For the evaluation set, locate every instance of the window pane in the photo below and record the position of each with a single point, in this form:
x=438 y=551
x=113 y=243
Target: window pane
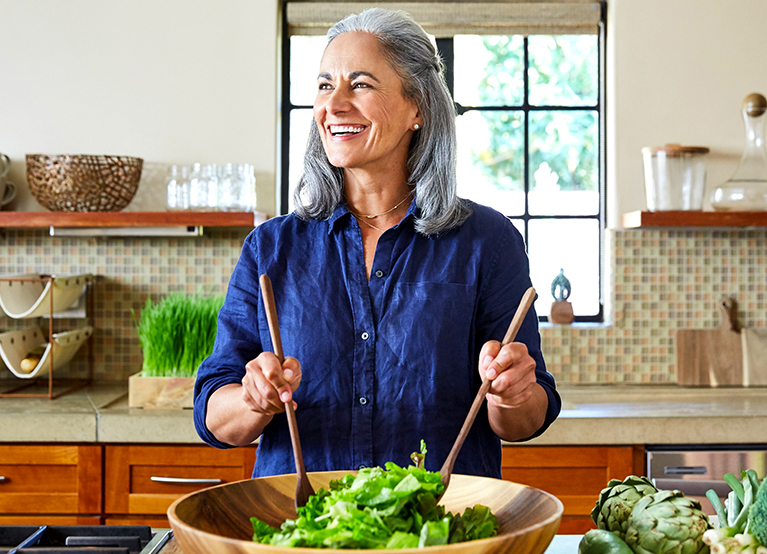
x=490 y=159
x=305 y=56
x=563 y=70
x=564 y=163
x=488 y=70
x=300 y=124
x=520 y=225
x=572 y=245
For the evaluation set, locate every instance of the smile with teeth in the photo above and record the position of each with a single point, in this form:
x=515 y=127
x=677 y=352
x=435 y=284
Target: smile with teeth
x=341 y=130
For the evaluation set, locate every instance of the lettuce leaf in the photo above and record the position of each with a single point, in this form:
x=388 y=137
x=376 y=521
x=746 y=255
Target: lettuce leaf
x=379 y=508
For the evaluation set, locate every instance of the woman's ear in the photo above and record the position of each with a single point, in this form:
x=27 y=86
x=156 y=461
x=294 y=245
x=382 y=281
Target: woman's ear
x=418 y=121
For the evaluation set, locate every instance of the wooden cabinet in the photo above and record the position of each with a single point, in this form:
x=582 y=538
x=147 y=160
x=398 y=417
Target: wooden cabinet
x=141 y=482
x=135 y=484
x=42 y=519
x=50 y=479
x=574 y=474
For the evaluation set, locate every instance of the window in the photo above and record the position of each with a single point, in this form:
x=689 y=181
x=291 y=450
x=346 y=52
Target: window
x=530 y=126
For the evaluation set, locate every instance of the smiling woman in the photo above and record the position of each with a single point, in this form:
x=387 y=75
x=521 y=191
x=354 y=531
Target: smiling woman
x=526 y=81
x=392 y=293
x=365 y=121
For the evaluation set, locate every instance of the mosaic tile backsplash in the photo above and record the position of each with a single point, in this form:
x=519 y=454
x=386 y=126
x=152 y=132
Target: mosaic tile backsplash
x=658 y=280
x=127 y=271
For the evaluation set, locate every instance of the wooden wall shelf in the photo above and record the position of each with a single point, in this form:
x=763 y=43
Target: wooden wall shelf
x=637 y=220
x=129 y=219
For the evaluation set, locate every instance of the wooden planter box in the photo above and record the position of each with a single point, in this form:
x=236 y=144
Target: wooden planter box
x=160 y=392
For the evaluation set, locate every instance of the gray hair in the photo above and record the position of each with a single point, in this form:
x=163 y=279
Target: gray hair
x=432 y=155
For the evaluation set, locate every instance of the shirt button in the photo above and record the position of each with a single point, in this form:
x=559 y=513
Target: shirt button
x=379 y=273
x=365 y=336
x=363 y=400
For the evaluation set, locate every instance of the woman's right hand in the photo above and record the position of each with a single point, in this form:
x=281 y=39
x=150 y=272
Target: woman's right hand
x=237 y=413
x=267 y=385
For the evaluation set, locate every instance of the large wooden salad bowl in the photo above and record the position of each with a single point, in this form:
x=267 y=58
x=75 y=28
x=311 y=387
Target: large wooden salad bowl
x=217 y=520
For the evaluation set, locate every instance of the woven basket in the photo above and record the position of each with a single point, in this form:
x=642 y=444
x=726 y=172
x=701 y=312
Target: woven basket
x=83 y=183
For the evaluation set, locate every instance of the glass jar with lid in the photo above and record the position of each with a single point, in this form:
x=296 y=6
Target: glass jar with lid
x=675 y=177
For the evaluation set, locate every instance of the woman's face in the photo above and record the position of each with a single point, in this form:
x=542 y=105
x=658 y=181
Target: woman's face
x=363 y=118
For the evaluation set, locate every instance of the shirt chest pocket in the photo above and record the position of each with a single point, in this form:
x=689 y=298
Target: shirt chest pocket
x=426 y=328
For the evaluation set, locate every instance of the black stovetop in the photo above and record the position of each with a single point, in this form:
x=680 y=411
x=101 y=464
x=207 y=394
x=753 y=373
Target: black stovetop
x=82 y=539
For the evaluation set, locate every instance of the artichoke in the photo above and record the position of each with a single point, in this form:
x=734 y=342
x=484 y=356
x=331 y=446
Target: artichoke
x=615 y=502
x=667 y=522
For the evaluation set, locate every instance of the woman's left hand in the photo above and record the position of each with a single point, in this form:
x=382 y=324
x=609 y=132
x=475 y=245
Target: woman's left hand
x=512 y=372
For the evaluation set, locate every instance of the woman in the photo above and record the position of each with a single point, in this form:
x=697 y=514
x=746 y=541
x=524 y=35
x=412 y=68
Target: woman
x=392 y=293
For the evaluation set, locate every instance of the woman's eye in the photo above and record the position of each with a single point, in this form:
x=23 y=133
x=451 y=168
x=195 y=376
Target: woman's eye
x=360 y=85
x=324 y=86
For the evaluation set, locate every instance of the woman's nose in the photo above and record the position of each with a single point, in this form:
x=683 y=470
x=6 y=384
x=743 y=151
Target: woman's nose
x=337 y=101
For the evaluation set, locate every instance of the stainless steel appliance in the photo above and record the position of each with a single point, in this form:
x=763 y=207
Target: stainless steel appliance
x=83 y=539
x=694 y=469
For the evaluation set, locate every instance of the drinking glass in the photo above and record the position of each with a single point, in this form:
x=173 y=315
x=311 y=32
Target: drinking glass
x=209 y=186
x=198 y=190
x=171 y=187
x=182 y=189
x=246 y=198
x=227 y=185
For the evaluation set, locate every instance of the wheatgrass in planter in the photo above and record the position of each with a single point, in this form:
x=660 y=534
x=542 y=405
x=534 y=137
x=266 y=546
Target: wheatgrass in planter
x=177 y=334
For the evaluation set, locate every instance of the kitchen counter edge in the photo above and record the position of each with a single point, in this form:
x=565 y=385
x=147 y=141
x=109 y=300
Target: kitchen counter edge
x=593 y=415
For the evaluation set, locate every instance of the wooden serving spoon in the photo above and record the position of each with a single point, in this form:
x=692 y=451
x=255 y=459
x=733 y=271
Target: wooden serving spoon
x=511 y=333
x=303 y=488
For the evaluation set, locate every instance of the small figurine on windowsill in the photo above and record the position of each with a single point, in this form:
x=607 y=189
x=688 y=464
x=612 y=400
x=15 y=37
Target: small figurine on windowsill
x=561 y=309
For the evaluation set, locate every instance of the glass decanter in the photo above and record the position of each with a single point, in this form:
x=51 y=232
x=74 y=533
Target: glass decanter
x=746 y=190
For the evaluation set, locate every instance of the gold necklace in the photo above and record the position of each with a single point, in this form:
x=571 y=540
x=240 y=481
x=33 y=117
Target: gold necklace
x=397 y=205
x=366 y=223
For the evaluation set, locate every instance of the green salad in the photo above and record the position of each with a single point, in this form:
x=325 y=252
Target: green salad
x=380 y=508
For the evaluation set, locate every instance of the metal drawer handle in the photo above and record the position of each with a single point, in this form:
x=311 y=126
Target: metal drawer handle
x=2 y=478
x=685 y=470
x=185 y=480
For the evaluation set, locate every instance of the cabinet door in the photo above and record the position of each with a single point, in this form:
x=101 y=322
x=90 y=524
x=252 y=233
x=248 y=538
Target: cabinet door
x=50 y=479
x=574 y=474
x=155 y=521
x=145 y=480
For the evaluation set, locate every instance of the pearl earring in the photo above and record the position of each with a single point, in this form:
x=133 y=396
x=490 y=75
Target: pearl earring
x=416 y=127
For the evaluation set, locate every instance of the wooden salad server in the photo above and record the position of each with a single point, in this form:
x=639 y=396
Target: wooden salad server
x=303 y=488
x=511 y=333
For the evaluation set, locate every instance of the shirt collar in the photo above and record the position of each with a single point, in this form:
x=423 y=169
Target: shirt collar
x=340 y=211
x=343 y=210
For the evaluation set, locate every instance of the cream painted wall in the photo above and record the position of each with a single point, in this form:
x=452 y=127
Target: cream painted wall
x=170 y=81
x=178 y=81
x=678 y=72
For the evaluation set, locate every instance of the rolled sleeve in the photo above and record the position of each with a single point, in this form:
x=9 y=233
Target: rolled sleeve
x=237 y=339
x=501 y=293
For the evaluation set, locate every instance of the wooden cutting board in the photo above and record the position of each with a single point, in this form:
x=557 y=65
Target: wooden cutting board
x=754 y=357
x=712 y=357
x=709 y=358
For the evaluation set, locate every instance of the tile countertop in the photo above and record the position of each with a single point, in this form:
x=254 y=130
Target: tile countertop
x=591 y=414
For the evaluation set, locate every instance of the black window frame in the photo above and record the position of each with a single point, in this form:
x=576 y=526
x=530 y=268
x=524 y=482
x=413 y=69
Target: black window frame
x=445 y=47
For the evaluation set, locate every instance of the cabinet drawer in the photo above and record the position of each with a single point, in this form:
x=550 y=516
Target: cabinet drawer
x=156 y=521
x=147 y=479
x=50 y=479
x=50 y=520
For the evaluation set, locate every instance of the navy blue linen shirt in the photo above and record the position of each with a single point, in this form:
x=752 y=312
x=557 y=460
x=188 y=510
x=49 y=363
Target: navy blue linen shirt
x=385 y=362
